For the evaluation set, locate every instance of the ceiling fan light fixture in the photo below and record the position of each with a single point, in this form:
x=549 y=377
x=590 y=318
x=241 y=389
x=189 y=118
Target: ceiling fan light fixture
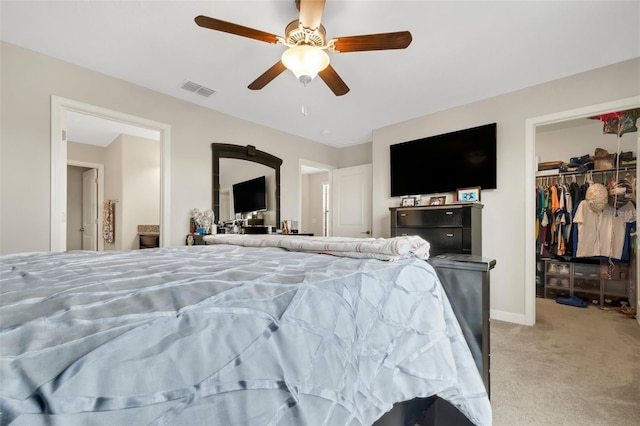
x=305 y=61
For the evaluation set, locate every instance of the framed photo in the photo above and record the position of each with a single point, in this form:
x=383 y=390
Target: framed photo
x=410 y=201
x=468 y=195
x=437 y=201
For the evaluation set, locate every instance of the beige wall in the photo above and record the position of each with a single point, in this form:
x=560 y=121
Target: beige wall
x=132 y=179
x=356 y=155
x=504 y=208
x=580 y=137
x=28 y=81
x=113 y=183
x=304 y=199
x=78 y=151
x=141 y=187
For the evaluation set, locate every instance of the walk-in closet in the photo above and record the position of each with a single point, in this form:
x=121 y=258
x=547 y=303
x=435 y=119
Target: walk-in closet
x=586 y=244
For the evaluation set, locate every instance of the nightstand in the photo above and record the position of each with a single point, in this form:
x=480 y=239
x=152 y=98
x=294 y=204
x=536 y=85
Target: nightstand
x=195 y=240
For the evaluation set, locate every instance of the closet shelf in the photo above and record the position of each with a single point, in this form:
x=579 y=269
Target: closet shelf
x=546 y=173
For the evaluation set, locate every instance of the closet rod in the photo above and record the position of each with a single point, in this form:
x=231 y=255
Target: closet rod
x=590 y=172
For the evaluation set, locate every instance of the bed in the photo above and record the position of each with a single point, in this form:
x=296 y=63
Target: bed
x=231 y=333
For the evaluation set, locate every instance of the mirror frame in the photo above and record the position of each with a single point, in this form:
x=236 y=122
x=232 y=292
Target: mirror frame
x=247 y=153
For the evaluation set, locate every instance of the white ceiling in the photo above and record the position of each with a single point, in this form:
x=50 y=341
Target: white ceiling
x=461 y=52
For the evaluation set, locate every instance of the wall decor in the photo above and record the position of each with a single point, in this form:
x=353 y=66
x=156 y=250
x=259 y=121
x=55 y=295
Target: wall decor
x=410 y=201
x=468 y=195
x=437 y=201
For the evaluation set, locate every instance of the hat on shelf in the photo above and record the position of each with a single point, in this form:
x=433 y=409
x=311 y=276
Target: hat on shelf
x=619 y=122
x=620 y=192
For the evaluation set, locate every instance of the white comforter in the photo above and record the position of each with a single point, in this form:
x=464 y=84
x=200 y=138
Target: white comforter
x=225 y=335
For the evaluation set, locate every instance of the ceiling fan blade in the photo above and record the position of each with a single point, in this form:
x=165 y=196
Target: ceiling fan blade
x=333 y=80
x=310 y=13
x=383 y=41
x=267 y=76
x=231 y=28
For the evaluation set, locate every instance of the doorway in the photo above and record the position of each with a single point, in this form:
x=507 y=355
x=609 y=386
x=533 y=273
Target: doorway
x=335 y=202
x=530 y=168
x=315 y=211
x=59 y=109
x=85 y=195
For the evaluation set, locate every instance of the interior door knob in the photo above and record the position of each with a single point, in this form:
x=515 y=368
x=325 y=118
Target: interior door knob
x=366 y=232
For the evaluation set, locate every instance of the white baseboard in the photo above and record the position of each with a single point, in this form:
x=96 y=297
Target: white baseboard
x=508 y=317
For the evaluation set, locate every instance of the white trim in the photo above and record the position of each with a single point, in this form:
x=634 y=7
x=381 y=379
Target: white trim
x=100 y=168
x=59 y=105
x=58 y=213
x=530 y=184
x=507 y=317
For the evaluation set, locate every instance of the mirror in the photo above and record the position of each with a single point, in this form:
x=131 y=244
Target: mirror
x=233 y=171
x=251 y=154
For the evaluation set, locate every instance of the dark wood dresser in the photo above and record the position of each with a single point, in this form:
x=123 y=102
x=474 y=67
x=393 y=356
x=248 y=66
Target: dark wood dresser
x=451 y=228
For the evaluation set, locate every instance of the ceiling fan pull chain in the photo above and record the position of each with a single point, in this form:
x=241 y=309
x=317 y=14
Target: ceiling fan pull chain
x=303 y=102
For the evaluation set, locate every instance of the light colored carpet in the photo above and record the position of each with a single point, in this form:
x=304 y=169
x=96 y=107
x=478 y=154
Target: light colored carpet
x=576 y=366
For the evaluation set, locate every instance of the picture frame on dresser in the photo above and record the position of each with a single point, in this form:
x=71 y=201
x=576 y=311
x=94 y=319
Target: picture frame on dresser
x=409 y=201
x=437 y=201
x=468 y=195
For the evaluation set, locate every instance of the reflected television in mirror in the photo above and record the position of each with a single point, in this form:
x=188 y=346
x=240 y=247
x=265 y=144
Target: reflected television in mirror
x=250 y=195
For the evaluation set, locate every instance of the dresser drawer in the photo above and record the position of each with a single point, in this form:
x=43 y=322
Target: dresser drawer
x=448 y=229
x=443 y=238
x=430 y=218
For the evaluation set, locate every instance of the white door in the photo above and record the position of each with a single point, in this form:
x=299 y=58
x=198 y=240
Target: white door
x=351 y=196
x=90 y=210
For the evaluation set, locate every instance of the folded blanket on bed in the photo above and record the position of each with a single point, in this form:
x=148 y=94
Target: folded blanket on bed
x=389 y=249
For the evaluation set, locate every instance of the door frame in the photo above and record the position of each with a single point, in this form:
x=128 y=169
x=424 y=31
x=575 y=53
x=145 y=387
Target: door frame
x=100 y=168
x=58 y=213
x=320 y=166
x=530 y=167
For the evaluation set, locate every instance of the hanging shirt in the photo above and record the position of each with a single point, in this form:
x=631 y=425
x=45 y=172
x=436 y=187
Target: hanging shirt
x=555 y=204
x=543 y=233
x=602 y=234
x=568 y=219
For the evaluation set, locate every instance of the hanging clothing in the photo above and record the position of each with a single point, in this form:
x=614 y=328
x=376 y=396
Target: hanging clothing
x=602 y=234
x=553 y=220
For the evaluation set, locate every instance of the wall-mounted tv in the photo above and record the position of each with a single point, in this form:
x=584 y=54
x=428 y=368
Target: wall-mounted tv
x=250 y=195
x=443 y=163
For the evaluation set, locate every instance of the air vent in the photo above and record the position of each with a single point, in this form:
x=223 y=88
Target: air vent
x=197 y=88
x=205 y=91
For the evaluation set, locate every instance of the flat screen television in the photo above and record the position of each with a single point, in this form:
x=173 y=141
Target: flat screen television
x=250 y=195
x=443 y=163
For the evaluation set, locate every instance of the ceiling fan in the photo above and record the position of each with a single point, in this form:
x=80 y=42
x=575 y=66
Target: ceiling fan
x=307 y=44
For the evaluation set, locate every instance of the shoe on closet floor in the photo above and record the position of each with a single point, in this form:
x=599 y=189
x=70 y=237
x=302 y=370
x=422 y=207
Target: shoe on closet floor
x=572 y=301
